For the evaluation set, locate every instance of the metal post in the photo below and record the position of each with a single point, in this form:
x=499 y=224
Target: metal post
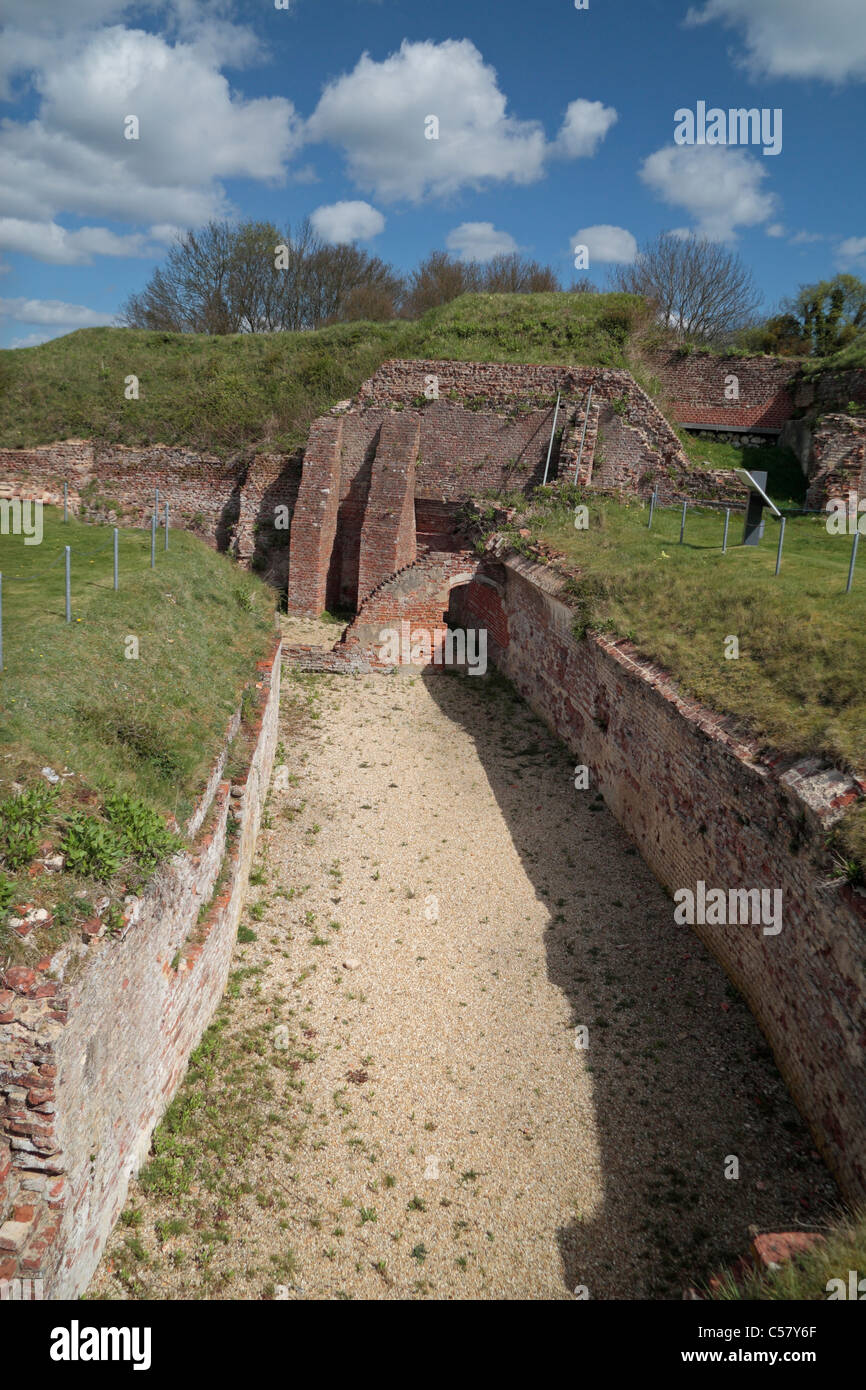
x=652 y=508
x=853 y=558
x=549 y=447
x=781 y=543
x=65 y=502
x=156 y=502
x=68 y=550
x=166 y=526
x=153 y=541
x=725 y=537
x=583 y=435
x=683 y=523
x=116 y=533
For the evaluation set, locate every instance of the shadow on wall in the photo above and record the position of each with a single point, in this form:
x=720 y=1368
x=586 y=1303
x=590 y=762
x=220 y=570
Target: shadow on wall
x=680 y=1075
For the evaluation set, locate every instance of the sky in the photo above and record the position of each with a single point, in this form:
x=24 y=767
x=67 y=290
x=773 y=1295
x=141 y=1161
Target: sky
x=558 y=127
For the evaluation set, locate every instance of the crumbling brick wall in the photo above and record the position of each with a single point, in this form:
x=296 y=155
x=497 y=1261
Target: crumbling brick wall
x=703 y=803
x=837 y=460
x=94 y=1039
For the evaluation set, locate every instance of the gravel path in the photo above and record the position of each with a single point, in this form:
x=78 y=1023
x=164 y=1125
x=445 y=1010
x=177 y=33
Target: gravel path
x=440 y=909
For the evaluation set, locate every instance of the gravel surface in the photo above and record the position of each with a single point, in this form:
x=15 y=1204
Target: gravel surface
x=401 y=1109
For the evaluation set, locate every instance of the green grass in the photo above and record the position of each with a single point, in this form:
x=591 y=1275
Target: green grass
x=798 y=681
x=786 y=483
x=807 y=1276
x=69 y=697
x=225 y=393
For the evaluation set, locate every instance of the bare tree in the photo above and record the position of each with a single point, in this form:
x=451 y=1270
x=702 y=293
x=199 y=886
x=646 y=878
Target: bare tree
x=700 y=289
x=511 y=274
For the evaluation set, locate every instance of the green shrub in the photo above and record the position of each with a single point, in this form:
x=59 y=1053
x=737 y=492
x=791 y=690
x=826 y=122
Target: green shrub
x=142 y=829
x=21 y=821
x=92 y=849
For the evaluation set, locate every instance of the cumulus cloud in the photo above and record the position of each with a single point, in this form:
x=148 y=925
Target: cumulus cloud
x=794 y=38
x=194 y=132
x=720 y=186
x=479 y=241
x=585 y=125
x=607 y=244
x=378 y=112
x=53 y=311
x=48 y=241
x=347 y=221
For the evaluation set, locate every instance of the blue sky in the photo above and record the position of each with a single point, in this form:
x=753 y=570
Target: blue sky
x=556 y=125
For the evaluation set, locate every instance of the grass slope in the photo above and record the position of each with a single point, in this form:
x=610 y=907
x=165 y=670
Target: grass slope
x=798 y=680
x=69 y=696
x=222 y=393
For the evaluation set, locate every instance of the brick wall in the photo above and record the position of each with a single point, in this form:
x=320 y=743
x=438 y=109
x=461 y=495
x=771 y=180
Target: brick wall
x=201 y=490
x=94 y=1041
x=489 y=429
x=417 y=595
x=837 y=459
x=701 y=803
x=388 y=529
x=314 y=523
x=694 y=384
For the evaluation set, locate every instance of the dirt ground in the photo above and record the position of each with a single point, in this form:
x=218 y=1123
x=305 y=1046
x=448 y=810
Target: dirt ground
x=394 y=1102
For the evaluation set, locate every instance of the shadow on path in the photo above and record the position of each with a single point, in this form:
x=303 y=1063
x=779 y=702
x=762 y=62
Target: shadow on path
x=682 y=1077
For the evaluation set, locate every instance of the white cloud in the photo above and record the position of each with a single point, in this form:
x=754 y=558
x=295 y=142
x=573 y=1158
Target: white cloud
x=851 y=253
x=34 y=339
x=719 y=185
x=53 y=311
x=775 y=229
x=607 y=244
x=347 y=221
x=479 y=241
x=194 y=132
x=48 y=241
x=585 y=125
x=795 y=38
x=377 y=114
x=806 y=238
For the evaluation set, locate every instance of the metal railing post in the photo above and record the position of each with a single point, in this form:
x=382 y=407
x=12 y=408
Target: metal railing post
x=546 y=466
x=853 y=559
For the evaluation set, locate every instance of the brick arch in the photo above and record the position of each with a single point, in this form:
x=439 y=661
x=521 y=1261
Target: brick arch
x=416 y=595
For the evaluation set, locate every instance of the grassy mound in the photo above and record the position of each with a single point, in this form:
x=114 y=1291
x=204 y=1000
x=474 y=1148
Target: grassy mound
x=221 y=393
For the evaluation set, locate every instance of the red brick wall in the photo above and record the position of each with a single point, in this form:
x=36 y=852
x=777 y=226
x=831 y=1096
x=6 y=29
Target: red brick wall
x=314 y=523
x=388 y=530
x=694 y=384
x=702 y=804
x=837 y=462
